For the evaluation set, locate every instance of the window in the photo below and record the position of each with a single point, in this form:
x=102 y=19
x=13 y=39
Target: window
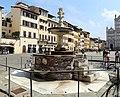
x=4 y=23
x=69 y=40
x=52 y=25
x=9 y=31
x=45 y=28
x=10 y=25
x=32 y=25
x=29 y=24
x=49 y=25
x=29 y=34
x=24 y=33
x=40 y=20
x=35 y=17
x=41 y=27
x=48 y=38
x=54 y=38
x=35 y=26
x=23 y=23
x=40 y=36
x=40 y=12
x=34 y=35
x=26 y=14
x=3 y=34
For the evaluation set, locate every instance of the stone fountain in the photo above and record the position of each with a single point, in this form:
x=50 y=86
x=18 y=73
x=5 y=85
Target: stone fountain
x=60 y=31
x=62 y=60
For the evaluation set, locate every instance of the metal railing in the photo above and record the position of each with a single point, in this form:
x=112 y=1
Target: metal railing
x=35 y=71
x=31 y=72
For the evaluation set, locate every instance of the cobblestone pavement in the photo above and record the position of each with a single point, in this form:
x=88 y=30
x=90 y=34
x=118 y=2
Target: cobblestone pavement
x=15 y=60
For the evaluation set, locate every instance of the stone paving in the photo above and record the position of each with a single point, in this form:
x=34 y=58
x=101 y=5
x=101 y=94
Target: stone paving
x=15 y=61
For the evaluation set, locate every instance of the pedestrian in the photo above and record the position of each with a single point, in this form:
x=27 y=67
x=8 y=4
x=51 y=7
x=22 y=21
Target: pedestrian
x=116 y=56
x=104 y=58
x=108 y=58
x=119 y=55
x=106 y=54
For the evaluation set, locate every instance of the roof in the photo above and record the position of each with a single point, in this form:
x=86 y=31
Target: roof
x=31 y=6
x=110 y=30
x=51 y=16
x=86 y=32
x=69 y=24
x=1 y=7
x=25 y=9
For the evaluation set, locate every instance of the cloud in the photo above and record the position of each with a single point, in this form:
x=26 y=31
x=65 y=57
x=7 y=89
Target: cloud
x=109 y=14
x=92 y=23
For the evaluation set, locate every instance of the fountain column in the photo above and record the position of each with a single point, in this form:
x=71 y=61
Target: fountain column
x=60 y=31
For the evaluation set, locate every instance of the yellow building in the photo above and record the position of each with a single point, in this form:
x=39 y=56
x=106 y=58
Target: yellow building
x=31 y=23
x=86 y=39
x=92 y=44
x=73 y=37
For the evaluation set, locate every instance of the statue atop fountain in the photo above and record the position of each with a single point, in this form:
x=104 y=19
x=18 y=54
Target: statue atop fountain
x=60 y=16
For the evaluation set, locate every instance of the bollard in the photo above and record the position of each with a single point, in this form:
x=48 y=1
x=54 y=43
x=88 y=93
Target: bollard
x=6 y=63
x=21 y=62
x=9 y=83
x=118 y=82
x=78 y=83
x=30 y=84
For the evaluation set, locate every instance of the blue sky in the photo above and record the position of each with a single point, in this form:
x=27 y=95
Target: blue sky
x=90 y=15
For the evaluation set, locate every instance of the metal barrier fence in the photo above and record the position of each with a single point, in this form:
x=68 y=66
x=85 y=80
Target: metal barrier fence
x=31 y=72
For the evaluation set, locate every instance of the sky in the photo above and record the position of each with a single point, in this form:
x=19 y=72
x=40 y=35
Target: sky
x=90 y=15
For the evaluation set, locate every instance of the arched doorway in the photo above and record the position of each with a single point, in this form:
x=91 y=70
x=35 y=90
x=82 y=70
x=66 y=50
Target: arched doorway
x=111 y=46
x=24 y=49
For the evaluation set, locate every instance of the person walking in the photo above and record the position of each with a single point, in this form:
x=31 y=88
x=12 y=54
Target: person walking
x=104 y=58
x=116 y=56
x=119 y=56
x=106 y=54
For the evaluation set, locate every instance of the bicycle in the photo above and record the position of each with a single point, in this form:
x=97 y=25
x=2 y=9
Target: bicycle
x=113 y=89
x=29 y=63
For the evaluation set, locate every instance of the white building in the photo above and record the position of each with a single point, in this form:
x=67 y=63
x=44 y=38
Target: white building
x=113 y=35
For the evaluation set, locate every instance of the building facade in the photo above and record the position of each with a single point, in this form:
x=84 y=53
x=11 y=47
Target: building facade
x=113 y=35
x=31 y=23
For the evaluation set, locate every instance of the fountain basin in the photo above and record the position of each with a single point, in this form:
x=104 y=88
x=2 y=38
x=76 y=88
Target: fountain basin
x=54 y=63
x=60 y=30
